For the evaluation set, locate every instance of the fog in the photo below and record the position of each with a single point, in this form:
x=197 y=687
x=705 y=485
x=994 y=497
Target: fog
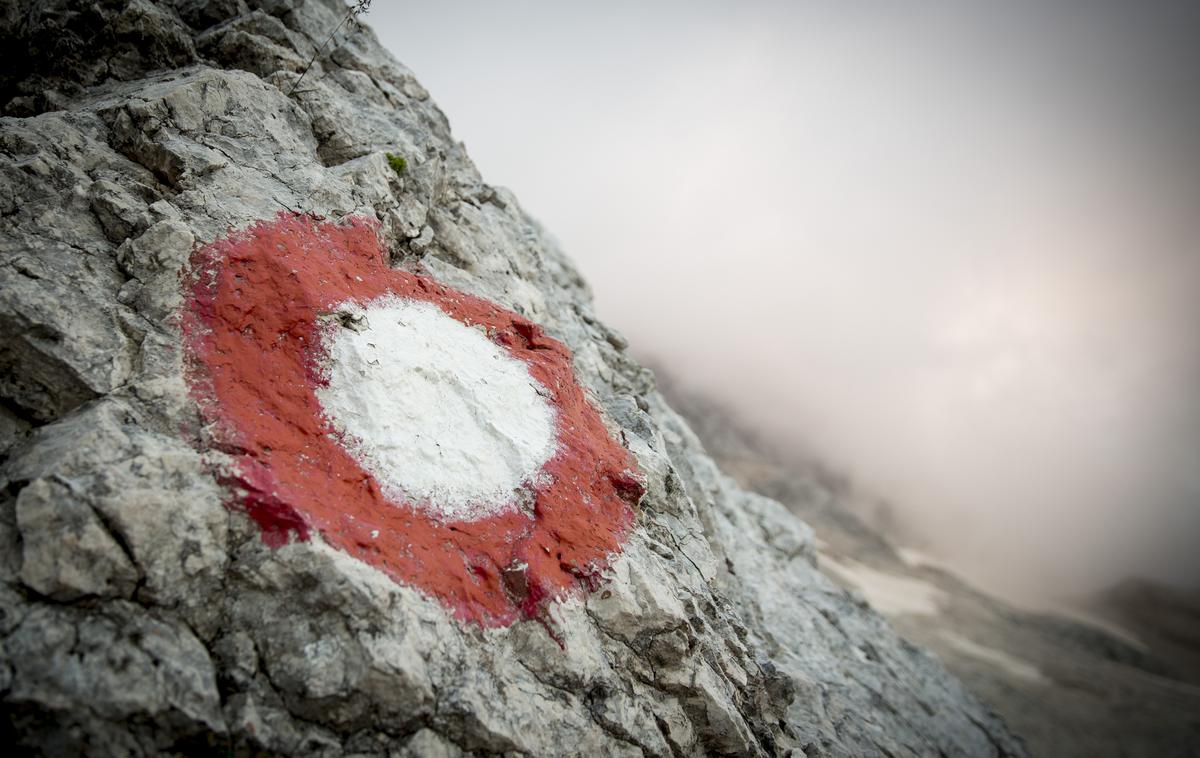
x=949 y=250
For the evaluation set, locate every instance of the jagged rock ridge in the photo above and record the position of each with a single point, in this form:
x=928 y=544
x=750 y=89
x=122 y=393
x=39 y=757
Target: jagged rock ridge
x=140 y=615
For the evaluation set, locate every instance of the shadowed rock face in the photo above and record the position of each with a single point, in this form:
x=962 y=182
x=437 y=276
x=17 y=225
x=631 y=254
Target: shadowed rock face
x=141 y=615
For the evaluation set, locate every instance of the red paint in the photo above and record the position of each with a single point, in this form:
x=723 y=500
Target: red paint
x=254 y=347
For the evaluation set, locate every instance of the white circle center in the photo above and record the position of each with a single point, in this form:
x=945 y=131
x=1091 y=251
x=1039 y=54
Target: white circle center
x=438 y=413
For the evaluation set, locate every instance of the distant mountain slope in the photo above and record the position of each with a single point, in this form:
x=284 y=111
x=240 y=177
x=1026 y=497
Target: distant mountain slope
x=1118 y=677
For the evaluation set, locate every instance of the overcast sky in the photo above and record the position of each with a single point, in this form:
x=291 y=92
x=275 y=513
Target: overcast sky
x=950 y=250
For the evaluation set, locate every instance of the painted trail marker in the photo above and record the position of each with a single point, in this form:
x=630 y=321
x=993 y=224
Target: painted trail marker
x=438 y=413
x=432 y=434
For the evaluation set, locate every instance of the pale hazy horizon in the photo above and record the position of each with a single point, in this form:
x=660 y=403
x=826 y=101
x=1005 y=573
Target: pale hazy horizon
x=949 y=250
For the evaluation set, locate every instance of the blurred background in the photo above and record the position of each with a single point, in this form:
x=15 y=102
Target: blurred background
x=947 y=250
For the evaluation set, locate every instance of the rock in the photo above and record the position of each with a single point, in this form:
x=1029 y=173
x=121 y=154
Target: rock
x=66 y=553
x=154 y=260
x=140 y=614
x=79 y=676
x=120 y=214
x=53 y=50
x=429 y=744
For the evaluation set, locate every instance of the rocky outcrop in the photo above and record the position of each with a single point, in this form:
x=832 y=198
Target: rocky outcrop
x=143 y=615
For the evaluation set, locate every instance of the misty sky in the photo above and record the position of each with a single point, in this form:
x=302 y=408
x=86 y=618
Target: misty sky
x=950 y=251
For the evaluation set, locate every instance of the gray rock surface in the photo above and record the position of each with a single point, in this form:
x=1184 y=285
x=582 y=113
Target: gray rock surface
x=140 y=615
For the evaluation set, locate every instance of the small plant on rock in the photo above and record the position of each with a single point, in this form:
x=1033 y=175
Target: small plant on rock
x=397 y=162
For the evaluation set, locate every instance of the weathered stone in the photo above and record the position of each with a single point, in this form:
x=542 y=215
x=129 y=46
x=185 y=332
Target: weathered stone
x=66 y=553
x=712 y=632
x=79 y=674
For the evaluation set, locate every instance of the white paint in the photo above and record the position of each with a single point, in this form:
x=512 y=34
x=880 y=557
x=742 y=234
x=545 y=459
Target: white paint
x=890 y=594
x=438 y=413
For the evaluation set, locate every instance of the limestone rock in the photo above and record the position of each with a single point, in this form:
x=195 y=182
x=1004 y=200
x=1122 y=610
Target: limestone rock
x=140 y=615
x=66 y=551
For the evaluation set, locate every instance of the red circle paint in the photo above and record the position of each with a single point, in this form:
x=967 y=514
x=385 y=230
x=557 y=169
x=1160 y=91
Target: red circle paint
x=253 y=339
